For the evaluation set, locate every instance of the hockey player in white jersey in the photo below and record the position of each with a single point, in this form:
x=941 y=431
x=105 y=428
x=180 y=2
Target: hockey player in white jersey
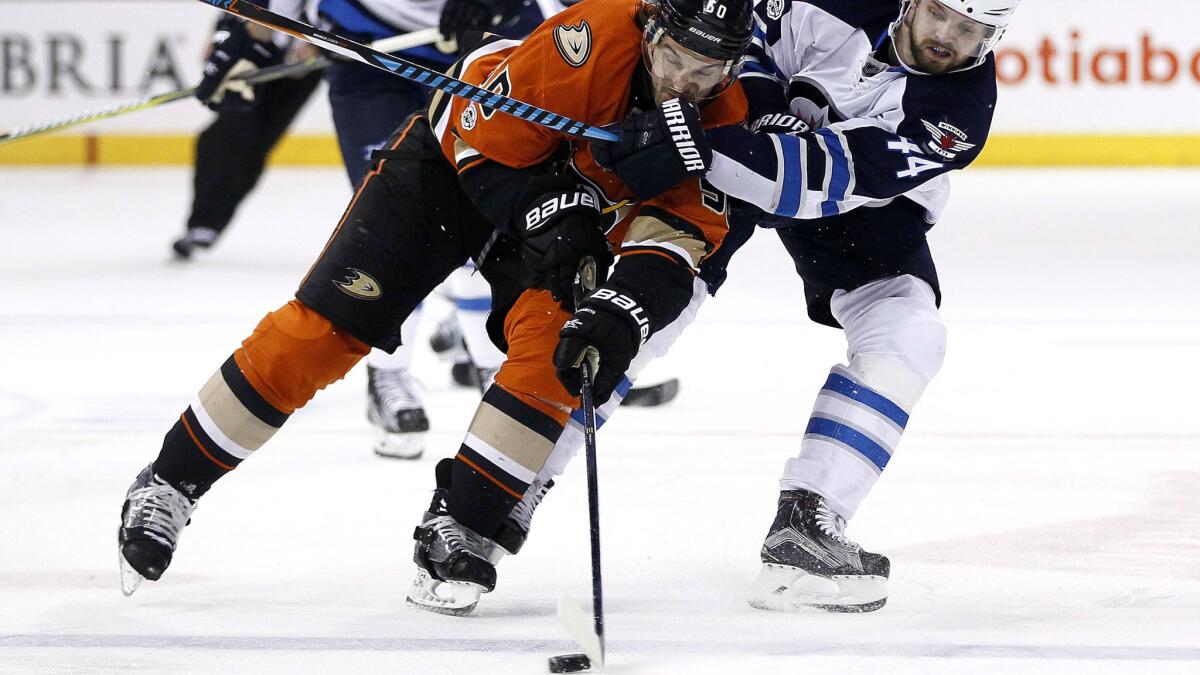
x=858 y=111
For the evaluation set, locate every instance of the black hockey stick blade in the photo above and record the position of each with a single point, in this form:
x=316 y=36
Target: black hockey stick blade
x=653 y=395
x=411 y=71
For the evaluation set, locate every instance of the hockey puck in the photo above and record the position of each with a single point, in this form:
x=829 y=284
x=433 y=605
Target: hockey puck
x=570 y=663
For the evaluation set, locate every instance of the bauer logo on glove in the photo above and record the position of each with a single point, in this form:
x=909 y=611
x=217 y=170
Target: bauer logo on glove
x=636 y=313
x=542 y=213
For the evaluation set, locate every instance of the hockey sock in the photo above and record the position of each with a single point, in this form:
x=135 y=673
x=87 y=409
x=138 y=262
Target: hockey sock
x=506 y=445
x=851 y=436
x=293 y=353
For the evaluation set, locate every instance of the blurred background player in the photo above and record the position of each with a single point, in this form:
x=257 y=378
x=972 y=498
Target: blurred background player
x=232 y=151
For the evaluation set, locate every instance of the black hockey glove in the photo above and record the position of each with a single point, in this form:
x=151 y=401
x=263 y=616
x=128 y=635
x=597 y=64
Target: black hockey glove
x=609 y=322
x=779 y=123
x=560 y=224
x=658 y=149
x=461 y=16
x=233 y=53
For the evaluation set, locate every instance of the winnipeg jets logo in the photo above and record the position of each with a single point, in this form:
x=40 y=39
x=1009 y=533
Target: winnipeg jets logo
x=359 y=284
x=815 y=115
x=948 y=140
x=574 y=43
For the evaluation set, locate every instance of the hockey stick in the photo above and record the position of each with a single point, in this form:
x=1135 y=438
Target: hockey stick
x=410 y=71
x=261 y=76
x=570 y=614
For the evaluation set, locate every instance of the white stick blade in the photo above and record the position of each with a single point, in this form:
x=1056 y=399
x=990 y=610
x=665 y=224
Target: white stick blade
x=579 y=625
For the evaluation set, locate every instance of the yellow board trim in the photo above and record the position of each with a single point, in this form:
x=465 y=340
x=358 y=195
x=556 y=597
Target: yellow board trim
x=1090 y=150
x=157 y=150
x=1032 y=150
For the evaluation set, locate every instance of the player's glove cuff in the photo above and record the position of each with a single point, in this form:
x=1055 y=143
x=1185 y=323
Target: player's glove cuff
x=605 y=328
x=779 y=123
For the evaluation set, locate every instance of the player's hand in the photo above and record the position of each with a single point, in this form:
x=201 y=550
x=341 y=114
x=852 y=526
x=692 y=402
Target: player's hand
x=779 y=123
x=604 y=326
x=234 y=52
x=658 y=149
x=560 y=225
x=460 y=16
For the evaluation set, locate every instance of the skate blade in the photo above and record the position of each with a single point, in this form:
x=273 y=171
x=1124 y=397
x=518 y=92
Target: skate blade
x=454 y=598
x=399 y=446
x=130 y=579
x=782 y=588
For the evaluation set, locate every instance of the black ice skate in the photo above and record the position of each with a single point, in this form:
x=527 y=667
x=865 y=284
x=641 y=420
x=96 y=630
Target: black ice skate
x=467 y=374
x=394 y=408
x=194 y=238
x=808 y=562
x=455 y=565
x=447 y=340
x=152 y=518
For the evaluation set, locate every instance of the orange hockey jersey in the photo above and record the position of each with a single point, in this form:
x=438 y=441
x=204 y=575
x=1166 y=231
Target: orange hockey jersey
x=581 y=64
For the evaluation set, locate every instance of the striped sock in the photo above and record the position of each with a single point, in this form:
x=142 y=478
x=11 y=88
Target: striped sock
x=226 y=422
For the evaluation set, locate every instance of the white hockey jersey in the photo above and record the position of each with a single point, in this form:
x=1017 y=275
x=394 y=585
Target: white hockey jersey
x=877 y=132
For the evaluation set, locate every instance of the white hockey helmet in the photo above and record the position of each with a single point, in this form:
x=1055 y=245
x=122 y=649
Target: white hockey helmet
x=990 y=18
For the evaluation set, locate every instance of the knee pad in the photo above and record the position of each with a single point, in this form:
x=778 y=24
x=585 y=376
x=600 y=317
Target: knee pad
x=896 y=338
x=293 y=353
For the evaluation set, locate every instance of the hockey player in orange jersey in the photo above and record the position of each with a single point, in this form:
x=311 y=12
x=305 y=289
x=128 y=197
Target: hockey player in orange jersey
x=423 y=210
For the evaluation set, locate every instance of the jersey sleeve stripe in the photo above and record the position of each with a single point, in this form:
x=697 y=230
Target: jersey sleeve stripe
x=839 y=172
x=792 y=186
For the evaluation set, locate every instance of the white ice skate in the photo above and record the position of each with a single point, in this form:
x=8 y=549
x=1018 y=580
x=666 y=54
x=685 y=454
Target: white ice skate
x=395 y=409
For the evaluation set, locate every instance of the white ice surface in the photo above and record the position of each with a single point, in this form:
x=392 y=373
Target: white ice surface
x=1042 y=514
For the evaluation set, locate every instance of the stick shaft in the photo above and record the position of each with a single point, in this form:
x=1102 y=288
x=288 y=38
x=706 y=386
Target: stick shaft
x=593 y=485
x=585 y=283
x=411 y=71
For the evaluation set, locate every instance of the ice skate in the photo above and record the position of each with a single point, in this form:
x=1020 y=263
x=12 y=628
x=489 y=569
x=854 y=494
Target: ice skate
x=447 y=341
x=152 y=518
x=394 y=408
x=808 y=562
x=515 y=529
x=467 y=374
x=454 y=566
x=194 y=238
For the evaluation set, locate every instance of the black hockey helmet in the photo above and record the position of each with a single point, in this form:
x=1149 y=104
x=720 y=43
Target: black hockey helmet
x=693 y=48
x=718 y=29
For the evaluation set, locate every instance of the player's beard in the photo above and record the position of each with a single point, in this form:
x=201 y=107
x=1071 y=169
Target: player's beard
x=919 y=52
